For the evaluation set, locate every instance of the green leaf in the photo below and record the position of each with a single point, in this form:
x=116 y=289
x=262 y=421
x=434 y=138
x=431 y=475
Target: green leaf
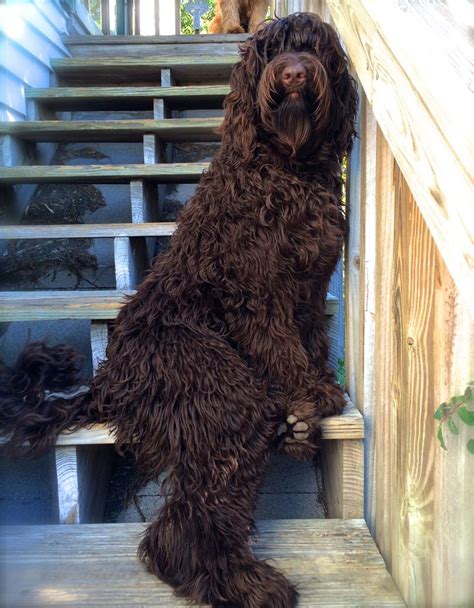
x=440 y=411
x=471 y=383
x=468 y=393
x=440 y=437
x=466 y=416
x=452 y=427
x=470 y=445
x=457 y=399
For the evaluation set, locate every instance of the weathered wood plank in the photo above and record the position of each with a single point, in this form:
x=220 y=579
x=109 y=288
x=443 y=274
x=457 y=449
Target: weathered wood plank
x=333 y=562
x=145 y=208
x=354 y=328
x=35 y=305
x=154 y=50
x=103 y=174
x=435 y=159
x=343 y=477
x=131 y=261
x=159 y=40
x=99 y=339
x=80 y=231
x=169 y=130
x=132 y=69
x=349 y=425
x=68 y=484
x=131 y=98
x=81 y=304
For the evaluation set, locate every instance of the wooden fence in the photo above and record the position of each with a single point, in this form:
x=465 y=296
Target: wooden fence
x=409 y=284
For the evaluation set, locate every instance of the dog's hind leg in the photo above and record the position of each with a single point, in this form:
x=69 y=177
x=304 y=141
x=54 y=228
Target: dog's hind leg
x=220 y=426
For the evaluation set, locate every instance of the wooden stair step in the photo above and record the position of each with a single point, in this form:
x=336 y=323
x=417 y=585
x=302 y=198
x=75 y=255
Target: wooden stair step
x=333 y=562
x=130 y=98
x=185 y=69
x=168 y=130
x=349 y=425
x=152 y=46
x=80 y=304
x=81 y=231
x=102 y=174
x=119 y=41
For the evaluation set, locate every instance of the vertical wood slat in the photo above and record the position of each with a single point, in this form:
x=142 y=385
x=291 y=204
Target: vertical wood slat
x=130 y=261
x=354 y=322
x=342 y=468
x=83 y=472
x=105 y=17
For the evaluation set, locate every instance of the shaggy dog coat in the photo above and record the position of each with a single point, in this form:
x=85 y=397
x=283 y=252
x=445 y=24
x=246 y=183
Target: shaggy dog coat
x=237 y=16
x=223 y=350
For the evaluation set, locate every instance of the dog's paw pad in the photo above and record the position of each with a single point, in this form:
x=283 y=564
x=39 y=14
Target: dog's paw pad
x=292 y=419
x=301 y=426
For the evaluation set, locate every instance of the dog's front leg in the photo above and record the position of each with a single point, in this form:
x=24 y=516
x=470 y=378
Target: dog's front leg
x=219 y=426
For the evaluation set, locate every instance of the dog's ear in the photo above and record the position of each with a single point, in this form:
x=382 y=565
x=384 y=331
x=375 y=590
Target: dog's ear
x=238 y=129
x=343 y=87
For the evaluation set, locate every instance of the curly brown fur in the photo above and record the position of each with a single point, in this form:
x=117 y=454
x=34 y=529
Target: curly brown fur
x=224 y=344
x=237 y=16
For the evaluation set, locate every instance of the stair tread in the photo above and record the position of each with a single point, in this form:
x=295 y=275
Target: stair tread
x=333 y=562
x=102 y=174
x=79 y=98
x=163 y=39
x=185 y=68
x=80 y=304
x=61 y=231
x=168 y=129
x=348 y=425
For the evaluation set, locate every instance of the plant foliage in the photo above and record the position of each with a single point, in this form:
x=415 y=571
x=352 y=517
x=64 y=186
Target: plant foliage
x=446 y=415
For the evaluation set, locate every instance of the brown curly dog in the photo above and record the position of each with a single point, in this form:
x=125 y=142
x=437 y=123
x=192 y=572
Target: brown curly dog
x=224 y=345
x=236 y=16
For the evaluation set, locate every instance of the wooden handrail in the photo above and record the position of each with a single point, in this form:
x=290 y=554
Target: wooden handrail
x=414 y=77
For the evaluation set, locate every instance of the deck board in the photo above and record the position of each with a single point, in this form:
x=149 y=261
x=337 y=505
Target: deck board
x=80 y=304
x=185 y=69
x=130 y=98
x=102 y=174
x=333 y=563
x=168 y=130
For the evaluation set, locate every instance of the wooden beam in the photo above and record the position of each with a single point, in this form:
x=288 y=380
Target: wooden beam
x=81 y=231
x=81 y=304
x=102 y=174
x=169 y=129
x=429 y=137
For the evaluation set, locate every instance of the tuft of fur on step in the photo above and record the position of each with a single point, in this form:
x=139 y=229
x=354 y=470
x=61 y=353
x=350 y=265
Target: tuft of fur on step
x=238 y=16
x=223 y=350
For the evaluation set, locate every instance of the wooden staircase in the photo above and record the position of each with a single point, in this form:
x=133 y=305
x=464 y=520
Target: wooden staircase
x=334 y=561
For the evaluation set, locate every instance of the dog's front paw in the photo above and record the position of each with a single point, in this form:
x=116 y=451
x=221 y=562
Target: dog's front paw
x=299 y=435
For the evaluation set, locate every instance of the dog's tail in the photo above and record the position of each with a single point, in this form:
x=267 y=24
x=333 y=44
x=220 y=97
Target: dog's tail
x=42 y=395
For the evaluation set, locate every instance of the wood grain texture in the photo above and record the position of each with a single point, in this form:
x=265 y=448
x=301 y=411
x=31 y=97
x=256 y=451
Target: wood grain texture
x=343 y=477
x=185 y=68
x=144 y=201
x=147 y=50
x=354 y=329
x=159 y=40
x=333 y=562
x=99 y=339
x=80 y=304
x=130 y=98
x=103 y=174
x=67 y=484
x=168 y=130
x=80 y=231
x=131 y=261
x=431 y=156
x=349 y=425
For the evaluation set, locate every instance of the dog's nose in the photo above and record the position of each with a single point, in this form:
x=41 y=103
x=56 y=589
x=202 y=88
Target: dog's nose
x=293 y=74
